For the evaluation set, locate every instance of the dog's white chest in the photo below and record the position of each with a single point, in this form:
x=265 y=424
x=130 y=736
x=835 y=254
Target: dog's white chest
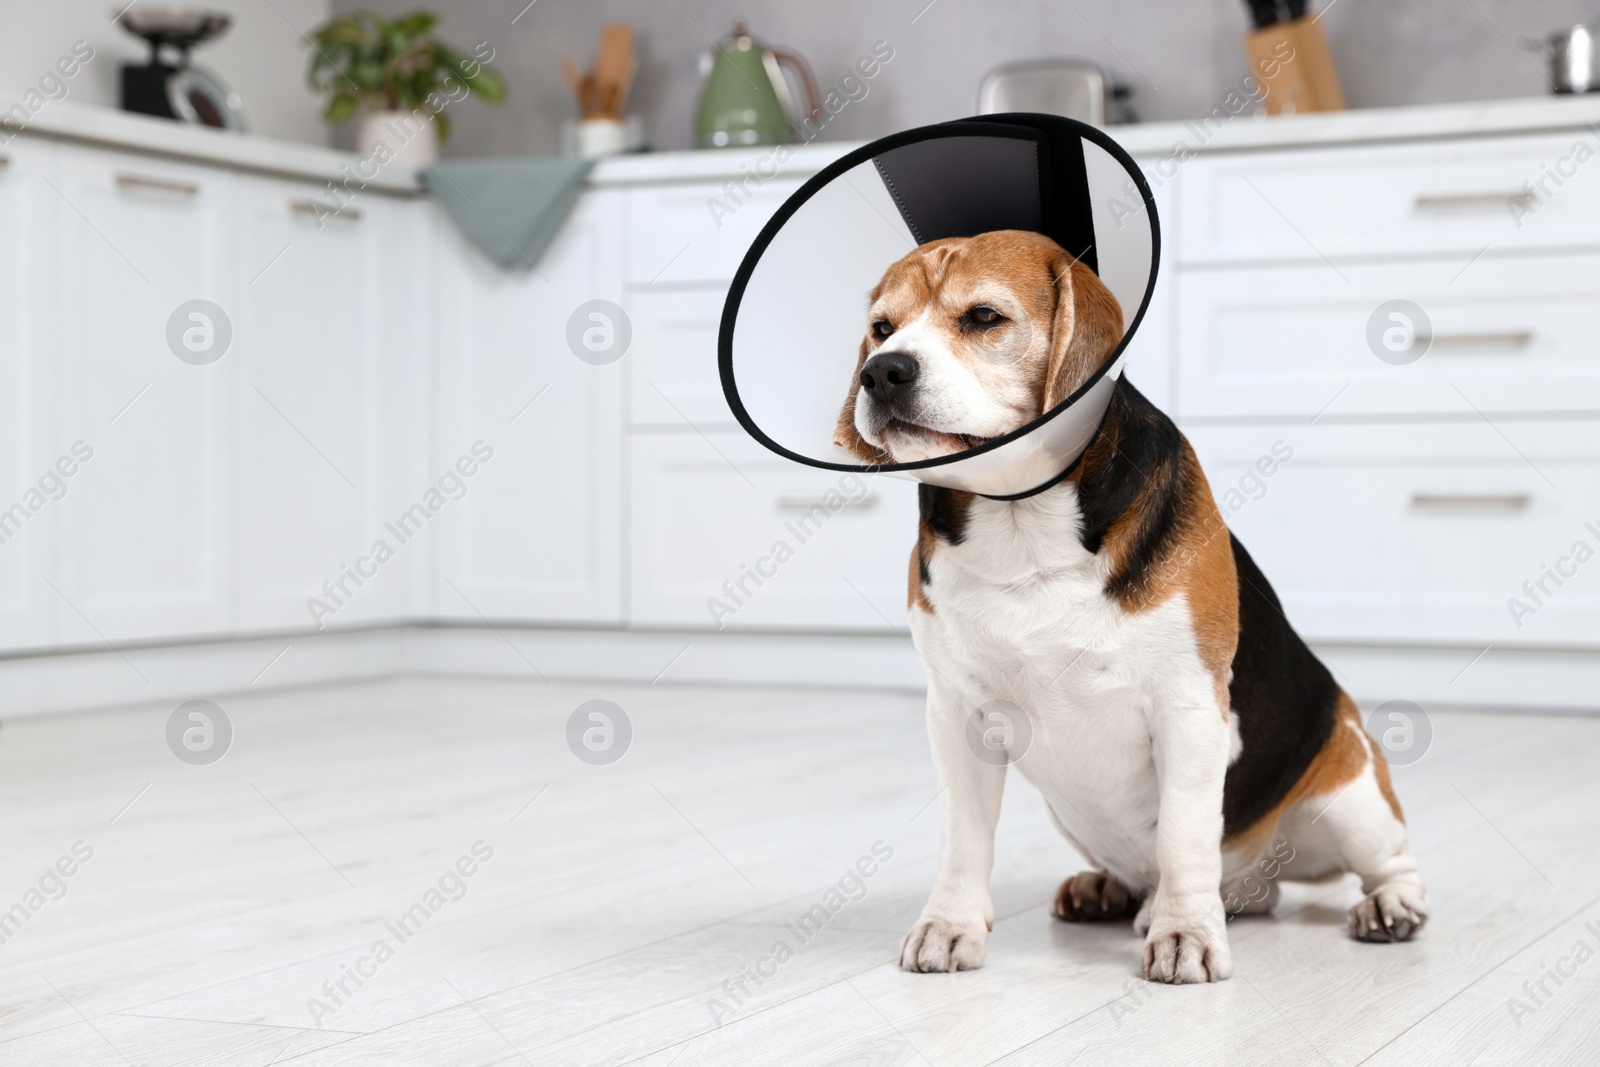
x=1020 y=615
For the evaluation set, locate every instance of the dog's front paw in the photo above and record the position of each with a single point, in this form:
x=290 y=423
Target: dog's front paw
x=1184 y=954
x=937 y=944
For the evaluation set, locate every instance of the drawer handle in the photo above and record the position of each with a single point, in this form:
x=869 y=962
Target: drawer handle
x=1452 y=202
x=1510 y=339
x=159 y=185
x=320 y=211
x=1501 y=503
x=807 y=501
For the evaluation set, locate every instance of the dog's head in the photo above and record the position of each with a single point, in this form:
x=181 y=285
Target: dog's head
x=970 y=338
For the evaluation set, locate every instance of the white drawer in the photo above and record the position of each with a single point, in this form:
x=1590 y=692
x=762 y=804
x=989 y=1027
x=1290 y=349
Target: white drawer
x=1516 y=334
x=709 y=510
x=697 y=233
x=1433 y=197
x=673 y=360
x=1418 y=533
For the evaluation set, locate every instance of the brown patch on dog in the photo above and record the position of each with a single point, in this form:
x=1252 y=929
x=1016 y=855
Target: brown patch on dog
x=1087 y=325
x=1338 y=764
x=1208 y=578
x=942 y=517
x=1380 y=771
x=1169 y=539
x=916 y=596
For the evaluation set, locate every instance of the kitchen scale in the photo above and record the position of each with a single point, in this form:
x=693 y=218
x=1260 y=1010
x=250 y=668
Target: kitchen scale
x=178 y=89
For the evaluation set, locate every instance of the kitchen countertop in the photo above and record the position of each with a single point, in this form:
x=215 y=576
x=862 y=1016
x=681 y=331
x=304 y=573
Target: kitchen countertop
x=1243 y=133
x=1153 y=140
x=111 y=128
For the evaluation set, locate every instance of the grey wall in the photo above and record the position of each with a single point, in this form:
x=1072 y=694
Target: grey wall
x=1181 y=56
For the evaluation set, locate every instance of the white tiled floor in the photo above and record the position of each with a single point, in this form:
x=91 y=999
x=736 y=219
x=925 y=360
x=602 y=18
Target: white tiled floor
x=617 y=904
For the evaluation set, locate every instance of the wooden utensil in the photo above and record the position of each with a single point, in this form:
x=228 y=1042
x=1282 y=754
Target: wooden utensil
x=611 y=65
x=615 y=104
x=569 y=67
x=603 y=91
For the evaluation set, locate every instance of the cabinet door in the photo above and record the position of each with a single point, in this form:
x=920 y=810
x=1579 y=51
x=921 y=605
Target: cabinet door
x=677 y=235
x=1150 y=352
x=1454 y=197
x=672 y=371
x=328 y=337
x=727 y=535
x=144 y=531
x=536 y=533
x=1450 y=533
x=1512 y=334
x=28 y=441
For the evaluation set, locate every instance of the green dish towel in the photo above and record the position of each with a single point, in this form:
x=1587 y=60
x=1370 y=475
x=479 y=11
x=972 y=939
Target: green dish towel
x=509 y=209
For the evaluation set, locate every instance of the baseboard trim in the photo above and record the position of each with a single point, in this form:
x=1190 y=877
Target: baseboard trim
x=1549 y=680
x=1540 y=680
x=150 y=673
x=88 y=679
x=873 y=661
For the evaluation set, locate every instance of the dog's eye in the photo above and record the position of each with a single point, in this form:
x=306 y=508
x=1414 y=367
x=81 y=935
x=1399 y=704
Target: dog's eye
x=882 y=329
x=983 y=315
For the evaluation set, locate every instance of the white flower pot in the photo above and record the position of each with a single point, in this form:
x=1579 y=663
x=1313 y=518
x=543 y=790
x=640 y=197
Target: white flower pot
x=399 y=138
x=600 y=137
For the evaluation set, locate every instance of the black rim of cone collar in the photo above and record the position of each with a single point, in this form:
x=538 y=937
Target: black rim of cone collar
x=1004 y=125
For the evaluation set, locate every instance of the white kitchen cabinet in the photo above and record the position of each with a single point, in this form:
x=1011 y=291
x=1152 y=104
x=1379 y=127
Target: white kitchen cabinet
x=537 y=531
x=672 y=374
x=697 y=234
x=1502 y=334
x=727 y=535
x=1151 y=352
x=28 y=435
x=1387 y=535
x=1441 y=197
x=330 y=338
x=385 y=384
x=146 y=547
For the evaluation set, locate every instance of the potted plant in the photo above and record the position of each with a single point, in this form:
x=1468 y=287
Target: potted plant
x=401 y=78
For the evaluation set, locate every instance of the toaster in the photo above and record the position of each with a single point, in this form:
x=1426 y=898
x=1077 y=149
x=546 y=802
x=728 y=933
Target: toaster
x=1071 y=88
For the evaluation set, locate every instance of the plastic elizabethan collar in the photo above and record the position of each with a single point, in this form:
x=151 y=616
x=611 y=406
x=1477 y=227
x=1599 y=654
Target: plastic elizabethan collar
x=796 y=313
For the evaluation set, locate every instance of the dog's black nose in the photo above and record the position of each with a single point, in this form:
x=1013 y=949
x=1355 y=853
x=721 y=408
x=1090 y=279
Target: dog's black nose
x=886 y=373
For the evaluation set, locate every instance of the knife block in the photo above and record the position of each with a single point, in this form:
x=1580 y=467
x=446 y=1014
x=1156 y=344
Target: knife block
x=1296 y=71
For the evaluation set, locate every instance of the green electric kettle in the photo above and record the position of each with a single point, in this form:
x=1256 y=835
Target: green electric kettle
x=746 y=99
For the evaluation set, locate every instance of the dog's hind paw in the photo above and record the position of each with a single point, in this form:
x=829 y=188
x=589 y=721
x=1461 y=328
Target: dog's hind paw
x=1388 y=913
x=1093 y=896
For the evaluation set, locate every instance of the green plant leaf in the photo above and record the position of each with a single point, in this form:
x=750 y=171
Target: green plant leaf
x=486 y=84
x=365 y=59
x=417 y=23
x=367 y=75
x=340 y=107
x=489 y=85
x=345 y=32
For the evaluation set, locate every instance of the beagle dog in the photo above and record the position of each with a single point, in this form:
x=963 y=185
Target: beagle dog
x=1184 y=737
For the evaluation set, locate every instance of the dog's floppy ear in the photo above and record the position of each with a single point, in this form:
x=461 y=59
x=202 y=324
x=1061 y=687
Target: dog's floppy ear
x=1087 y=326
x=845 y=434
